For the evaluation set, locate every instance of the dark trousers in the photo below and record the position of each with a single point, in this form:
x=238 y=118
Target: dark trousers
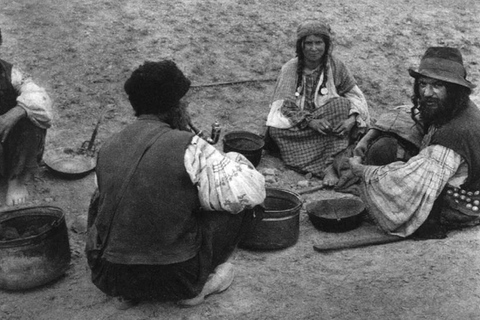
x=221 y=232
x=384 y=150
x=22 y=150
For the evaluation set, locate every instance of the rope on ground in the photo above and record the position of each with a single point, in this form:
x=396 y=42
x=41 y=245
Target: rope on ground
x=227 y=83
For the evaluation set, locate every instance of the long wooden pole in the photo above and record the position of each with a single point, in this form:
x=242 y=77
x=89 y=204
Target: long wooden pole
x=351 y=244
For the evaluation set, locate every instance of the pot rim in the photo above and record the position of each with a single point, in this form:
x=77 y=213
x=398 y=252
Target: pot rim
x=52 y=211
x=52 y=159
x=247 y=135
x=295 y=197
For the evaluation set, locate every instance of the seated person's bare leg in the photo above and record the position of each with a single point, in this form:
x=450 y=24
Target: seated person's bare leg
x=17 y=192
x=331 y=178
x=22 y=150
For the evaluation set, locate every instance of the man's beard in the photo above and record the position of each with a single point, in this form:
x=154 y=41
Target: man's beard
x=434 y=111
x=178 y=117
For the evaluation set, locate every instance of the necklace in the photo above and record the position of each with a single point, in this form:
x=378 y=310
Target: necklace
x=307 y=71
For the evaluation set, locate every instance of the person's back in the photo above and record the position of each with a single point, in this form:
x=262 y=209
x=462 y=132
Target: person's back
x=158 y=194
x=170 y=208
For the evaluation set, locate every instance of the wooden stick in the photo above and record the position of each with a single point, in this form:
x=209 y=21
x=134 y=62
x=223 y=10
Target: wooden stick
x=215 y=84
x=351 y=244
x=309 y=190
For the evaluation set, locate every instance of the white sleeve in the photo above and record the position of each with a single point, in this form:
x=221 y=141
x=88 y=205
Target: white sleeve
x=225 y=182
x=33 y=99
x=400 y=195
x=358 y=105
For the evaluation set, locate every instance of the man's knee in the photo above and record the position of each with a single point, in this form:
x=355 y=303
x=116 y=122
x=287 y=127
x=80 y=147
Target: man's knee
x=23 y=148
x=382 y=151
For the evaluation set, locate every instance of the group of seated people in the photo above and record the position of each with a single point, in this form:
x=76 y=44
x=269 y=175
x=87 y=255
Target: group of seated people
x=415 y=167
x=169 y=208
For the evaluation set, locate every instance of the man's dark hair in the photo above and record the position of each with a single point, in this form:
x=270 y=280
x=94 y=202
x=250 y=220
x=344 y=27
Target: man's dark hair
x=301 y=58
x=456 y=101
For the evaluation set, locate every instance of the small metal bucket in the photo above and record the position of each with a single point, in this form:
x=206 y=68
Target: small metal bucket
x=280 y=226
x=247 y=143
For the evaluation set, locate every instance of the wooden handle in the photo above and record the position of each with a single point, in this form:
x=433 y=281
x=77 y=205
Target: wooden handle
x=350 y=244
x=91 y=142
x=310 y=190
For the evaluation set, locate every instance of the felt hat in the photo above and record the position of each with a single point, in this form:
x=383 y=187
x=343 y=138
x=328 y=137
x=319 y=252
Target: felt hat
x=157 y=83
x=316 y=27
x=443 y=63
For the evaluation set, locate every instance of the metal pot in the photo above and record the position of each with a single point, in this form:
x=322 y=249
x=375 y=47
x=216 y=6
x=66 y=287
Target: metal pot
x=247 y=143
x=280 y=225
x=34 y=259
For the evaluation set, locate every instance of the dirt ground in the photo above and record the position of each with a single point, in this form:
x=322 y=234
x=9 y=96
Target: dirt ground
x=82 y=51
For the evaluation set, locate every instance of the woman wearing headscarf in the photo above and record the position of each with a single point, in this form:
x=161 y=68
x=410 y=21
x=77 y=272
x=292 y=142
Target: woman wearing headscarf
x=316 y=105
x=170 y=208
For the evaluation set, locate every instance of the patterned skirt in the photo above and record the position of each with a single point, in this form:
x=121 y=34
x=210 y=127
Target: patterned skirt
x=308 y=151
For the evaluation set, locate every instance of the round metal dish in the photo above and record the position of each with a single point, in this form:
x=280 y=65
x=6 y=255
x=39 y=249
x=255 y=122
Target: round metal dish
x=68 y=163
x=336 y=215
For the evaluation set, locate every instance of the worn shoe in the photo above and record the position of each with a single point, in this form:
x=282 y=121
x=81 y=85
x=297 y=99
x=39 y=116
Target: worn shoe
x=122 y=303
x=217 y=282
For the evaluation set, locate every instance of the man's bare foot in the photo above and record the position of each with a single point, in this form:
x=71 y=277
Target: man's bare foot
x=331 y=178
x=17 y=192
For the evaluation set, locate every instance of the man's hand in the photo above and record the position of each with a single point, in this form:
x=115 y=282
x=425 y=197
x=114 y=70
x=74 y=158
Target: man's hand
x=321 y=125
x=361 y=148
x=362 y=145
x=8 y=121
x=356 y=165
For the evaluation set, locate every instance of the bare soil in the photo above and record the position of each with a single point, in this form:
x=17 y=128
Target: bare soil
x=82 y=51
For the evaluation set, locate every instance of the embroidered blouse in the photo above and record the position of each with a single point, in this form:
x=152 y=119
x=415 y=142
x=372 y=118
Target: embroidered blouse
x=225 y=182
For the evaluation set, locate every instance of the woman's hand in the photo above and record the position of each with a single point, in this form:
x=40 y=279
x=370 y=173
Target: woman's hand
x=323 y=126
x=344 y=127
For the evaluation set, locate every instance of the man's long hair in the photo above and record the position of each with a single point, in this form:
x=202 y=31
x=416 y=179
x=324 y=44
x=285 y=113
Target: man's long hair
x=456 y=101
x=323 y=62
x=178 y=117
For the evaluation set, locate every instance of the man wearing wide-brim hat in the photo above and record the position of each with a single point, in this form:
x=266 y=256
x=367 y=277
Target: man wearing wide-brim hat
x=439 y=188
